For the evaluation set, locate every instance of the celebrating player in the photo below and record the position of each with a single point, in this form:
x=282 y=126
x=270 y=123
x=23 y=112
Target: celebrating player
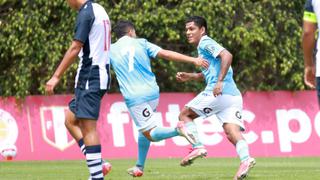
x=220 y=97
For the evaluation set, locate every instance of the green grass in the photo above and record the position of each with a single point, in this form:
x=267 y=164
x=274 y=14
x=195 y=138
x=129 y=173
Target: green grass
x=168 y=169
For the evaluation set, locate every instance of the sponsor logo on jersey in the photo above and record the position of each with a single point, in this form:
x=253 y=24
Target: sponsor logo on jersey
x=207 y=110
x=238 y=115
x=146 y=112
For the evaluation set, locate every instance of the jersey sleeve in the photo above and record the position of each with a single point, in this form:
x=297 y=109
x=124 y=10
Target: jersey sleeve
x=84 y=23
x=211 y=47
x=152 y=49
x=309 y=14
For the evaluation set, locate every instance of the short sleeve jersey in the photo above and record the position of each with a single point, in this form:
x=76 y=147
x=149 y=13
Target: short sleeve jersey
x=130 y=60
x=209 y=49
x=93 y=29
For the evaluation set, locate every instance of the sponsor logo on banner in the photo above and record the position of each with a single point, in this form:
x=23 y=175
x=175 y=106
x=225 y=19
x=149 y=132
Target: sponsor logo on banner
x=8 y=129
x=54 y=131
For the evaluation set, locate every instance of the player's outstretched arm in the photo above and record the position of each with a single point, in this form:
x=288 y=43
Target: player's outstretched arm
x=308 y=44
x=67 y=60
x=171 y=55
x=184 y=76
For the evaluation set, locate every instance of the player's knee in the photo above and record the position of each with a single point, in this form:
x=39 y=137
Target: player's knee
x=148 y=136
x=70 y=122
x=183 y=114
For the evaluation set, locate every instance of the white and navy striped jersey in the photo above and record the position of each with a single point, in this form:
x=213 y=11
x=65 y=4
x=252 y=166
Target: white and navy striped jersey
x=93 y=29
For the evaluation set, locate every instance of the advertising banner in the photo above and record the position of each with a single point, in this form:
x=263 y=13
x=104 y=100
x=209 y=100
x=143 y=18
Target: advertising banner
x=278 y=123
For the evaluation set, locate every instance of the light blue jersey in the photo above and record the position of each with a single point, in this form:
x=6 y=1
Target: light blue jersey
x=209 y=50
x=130 y=59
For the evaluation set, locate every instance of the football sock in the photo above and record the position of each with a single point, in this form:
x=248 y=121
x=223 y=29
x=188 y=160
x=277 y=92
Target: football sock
x=192 y=128
x=93 y=156
x=160 y=133
x=82 y=146
x=143 y=148
x=242 y=150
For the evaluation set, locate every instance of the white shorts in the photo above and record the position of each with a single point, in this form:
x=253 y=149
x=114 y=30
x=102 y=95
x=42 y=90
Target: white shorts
x=142 y=115
x=227 y=108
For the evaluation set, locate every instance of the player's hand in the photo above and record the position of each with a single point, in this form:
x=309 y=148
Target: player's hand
x=309 y=77
x=51 y=84
x=217 y=90
x=200 y=62
x=182 y=77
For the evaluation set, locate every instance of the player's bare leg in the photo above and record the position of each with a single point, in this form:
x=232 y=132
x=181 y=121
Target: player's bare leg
x=234 y=135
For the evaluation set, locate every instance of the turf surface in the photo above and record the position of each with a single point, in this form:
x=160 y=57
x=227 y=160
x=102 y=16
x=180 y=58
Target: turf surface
x=167 y=169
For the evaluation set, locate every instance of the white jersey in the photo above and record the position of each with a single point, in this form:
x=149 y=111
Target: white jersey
x=93 y=29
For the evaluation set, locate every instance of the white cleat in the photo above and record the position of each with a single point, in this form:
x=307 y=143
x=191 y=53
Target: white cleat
x=245 y=168
x=193 y=155
x=135 y=171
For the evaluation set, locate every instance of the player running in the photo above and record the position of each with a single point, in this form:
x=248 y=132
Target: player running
x=220 y=97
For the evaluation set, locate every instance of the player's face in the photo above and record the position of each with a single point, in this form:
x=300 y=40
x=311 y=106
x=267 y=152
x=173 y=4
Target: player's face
x=194 y=33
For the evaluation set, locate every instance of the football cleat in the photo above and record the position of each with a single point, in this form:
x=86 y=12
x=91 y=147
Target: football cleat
x=183 y=131
x=244 y=168
x=135 y=171
x=193 y=155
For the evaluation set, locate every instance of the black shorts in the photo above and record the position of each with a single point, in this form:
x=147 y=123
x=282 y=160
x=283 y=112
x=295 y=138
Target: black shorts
x=86 y=103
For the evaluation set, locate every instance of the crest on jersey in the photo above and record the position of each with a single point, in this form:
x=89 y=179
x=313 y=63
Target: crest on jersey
x=54 y=131
x=210 y=49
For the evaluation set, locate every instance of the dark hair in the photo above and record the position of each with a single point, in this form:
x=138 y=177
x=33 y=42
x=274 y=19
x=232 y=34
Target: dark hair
x=122 y=28
x=198 y=21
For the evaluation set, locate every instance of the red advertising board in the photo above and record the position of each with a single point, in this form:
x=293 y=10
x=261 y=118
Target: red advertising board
x=279 y=123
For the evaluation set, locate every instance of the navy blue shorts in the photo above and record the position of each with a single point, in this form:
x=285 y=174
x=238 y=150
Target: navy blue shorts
x=86 y=103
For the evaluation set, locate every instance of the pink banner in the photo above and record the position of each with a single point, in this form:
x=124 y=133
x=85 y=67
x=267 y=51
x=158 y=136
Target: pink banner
x=278 y=123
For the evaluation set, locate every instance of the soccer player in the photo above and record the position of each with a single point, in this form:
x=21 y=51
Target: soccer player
x=130 y=60
x=311 y=67
x=220 y=97
x=91 y=43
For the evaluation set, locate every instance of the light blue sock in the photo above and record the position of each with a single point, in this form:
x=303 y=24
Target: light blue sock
x=242 y=150
x=143 y=148
x=160 y=133
x=192 y=128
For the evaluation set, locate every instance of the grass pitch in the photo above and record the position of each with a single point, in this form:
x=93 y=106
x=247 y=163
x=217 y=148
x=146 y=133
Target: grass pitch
x=167 y=169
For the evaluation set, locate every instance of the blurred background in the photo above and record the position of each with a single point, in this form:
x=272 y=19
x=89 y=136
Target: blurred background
x=264 y=37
